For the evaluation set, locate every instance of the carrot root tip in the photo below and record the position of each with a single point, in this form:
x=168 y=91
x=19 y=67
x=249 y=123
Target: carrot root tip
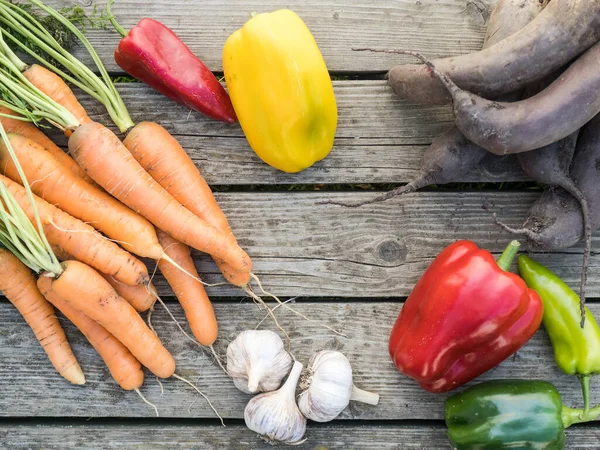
x=217 y=359
x=201 y=393
x=274 y=297
x=147 y=402
x=258 y=300
x=162 y=389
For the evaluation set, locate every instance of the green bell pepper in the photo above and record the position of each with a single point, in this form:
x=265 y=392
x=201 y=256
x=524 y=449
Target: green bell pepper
x=576 y=349
x=510 y=414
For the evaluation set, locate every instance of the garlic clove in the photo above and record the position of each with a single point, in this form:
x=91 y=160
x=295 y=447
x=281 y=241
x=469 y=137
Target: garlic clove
x=275 y=416
x=257 y=361
x=328 y=388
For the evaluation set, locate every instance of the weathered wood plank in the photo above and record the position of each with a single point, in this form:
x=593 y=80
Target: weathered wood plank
x=380 y=139
x=31 y=387
x=167 y=436
x=432 y=27
x=303 y=248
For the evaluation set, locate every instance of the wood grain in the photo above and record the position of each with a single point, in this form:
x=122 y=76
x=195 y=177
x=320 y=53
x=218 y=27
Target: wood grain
x=31 y=387
x=210 y=437
x=337 y=25
x=379 y=139
x=303 y=248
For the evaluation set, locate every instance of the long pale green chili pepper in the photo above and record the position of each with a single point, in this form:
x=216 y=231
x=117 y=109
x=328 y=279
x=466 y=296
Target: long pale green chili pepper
x=576 y=349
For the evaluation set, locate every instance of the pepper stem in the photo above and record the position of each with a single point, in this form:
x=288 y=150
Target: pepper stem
x=358 y=395
x=572 y=416
x=585 y=387
x=507 y=256
x=113 y=20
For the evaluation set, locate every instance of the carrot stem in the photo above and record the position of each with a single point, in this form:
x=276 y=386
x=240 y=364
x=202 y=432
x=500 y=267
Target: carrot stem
x=33 y=31
x=20 y=87
x=113 y=19
x=53 y=68
x=14 y=59
x=114 y=105
x=17 y=232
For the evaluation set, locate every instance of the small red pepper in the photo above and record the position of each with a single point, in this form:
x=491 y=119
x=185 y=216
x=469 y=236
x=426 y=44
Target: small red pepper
x=465 y=315
x=154 y=54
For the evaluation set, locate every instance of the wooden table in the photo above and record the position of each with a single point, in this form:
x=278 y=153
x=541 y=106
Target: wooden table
x=349 y=268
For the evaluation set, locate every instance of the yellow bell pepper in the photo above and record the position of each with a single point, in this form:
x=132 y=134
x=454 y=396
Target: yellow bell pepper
x=281 y=90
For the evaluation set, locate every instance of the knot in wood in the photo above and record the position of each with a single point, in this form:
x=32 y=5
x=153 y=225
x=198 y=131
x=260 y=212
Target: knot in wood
x=391 y=251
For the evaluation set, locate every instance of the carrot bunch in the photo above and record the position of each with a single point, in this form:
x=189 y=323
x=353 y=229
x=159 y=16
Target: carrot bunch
x=108 y=321
x=106 y=204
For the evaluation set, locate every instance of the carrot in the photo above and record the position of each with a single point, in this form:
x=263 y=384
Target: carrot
x=123 y=367
x=81 y=240
x=29 y=130
x=104 y=157
x=190 y=292
x=85 y=290
x=18 y=285
x=60 y=254
x=163 y=157
x=63 y=189
x=142 y=298
x=167 y=162
x=54 y=87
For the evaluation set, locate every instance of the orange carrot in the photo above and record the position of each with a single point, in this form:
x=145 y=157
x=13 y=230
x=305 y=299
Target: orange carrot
x=60 y=254
x=54 y=87
x=167 y=162
x=29 y=130
x=111 y=165
x=141 y=297
x=124 y=368
x=66 y=191
x=19 y=286
x=85 y=290
x=81 y=240
x=190 y=292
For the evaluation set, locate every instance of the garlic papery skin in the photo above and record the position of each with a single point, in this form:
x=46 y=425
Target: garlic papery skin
x=257 y=361
x=275 y=416
x=327 y=387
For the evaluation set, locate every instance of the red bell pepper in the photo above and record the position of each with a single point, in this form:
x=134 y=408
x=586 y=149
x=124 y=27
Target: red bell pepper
x=465 y=315
x=154 y=54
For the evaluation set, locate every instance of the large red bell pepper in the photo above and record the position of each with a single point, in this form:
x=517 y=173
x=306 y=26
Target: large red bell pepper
x=465 y=315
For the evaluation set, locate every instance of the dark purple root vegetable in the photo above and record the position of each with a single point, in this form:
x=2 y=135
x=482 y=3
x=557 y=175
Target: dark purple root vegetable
x=451 y=157
x=550 y=165
x=561 y=32
x=556 y=221
x=509 y=16
x=556 y=112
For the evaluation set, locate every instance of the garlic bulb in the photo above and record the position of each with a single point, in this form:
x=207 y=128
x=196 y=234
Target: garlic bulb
x=275 y=416
x=257 y=361
x=327 y=387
